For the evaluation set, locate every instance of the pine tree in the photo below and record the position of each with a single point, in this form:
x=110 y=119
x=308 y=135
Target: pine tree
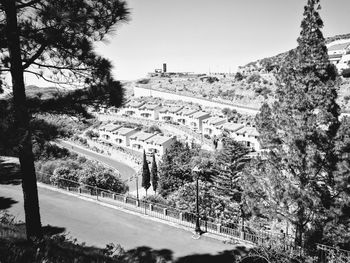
x=146 y=175
x=154 y=174
x=294 y=180
x=175 y=169
x=230 y=161
x=52 y=40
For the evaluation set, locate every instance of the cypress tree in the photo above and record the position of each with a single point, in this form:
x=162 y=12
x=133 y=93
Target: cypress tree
x=154 y=174
x=146 y=175
x=294 y=181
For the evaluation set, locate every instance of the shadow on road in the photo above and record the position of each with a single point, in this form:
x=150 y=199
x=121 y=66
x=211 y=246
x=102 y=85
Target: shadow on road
x=227 y=256
x=149 y=255
x=6 y=203
x=52 y=230
x=9 y=171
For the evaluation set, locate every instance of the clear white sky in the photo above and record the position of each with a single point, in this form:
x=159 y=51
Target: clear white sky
x=195 y=35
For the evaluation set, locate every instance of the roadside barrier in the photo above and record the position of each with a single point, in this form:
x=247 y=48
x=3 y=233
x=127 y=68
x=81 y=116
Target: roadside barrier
x=171 y=214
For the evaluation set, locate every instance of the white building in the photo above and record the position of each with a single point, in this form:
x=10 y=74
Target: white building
x=183 y=116
x=344 y=62
x=158 y=144
x=337 y=49
x=194 y=121
x=231 y=127
x=106 y=131
x=213 y=126
x=149 y=111
x=132 y=108
x=138 y=140
x=168 y=113
x=248 y=136
x=122 y=135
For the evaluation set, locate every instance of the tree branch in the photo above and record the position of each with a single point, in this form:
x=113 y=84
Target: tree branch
x=58 y=67
x=23 y=5
x=34 y=57
x=49 y=80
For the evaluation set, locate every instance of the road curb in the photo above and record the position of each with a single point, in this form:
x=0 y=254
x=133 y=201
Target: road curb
x=147 y=217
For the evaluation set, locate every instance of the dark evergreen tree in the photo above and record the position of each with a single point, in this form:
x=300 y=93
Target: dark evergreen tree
x=53 y=40
x=228 y=166
x=175 y=168
x=154 y=174
x=146 y=175
x=294 y=181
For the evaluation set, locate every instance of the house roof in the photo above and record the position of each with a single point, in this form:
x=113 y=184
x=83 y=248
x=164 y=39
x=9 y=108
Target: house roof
x=124 y=131
x=159 y=139
x=169 y=109
x=150 y=106
x=187 y=111
x=135 y=104
x=231 y=126
x=339 y=46
x=250 y=131
x=142 y=136
x=200 y=114
x=335 y=56
x=215 y=121
x=109 y=127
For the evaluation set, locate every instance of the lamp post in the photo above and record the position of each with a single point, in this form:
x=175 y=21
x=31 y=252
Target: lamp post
x=197 y=229
x=137 y=186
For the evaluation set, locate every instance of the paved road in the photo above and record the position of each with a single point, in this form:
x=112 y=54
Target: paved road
x=125 y=170
x=98 y=225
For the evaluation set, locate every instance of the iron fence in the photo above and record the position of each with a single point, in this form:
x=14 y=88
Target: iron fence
x=170 y=214
x=327 y=254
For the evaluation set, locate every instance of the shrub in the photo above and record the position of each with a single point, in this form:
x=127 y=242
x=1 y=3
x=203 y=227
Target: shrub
x=253 y=78
x=91 y=134
x=239 y=76
x=143 y=81
x=346 y=73
x=63 y=176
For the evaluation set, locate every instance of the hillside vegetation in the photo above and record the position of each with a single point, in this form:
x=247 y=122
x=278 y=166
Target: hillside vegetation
x=254 y=83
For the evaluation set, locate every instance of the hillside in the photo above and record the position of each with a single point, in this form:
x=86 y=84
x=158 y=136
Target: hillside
x=254 y=83
x=270 y=63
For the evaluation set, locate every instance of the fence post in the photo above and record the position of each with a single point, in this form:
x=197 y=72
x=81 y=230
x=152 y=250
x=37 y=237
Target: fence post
x=137 y=203
x=242 y=233
x=181 y=216
x=165 y=211
x=150 y=207
x=219 y=228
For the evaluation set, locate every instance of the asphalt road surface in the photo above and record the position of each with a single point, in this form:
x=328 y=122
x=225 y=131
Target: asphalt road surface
x=98 y=225
x=125 y=170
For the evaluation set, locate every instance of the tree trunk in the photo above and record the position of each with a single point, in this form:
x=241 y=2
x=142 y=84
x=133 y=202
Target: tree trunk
x=26 y=158
x=300 y=226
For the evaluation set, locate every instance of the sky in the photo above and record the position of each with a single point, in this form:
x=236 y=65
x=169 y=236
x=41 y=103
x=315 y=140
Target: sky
x=210 y=35
x=207 y=35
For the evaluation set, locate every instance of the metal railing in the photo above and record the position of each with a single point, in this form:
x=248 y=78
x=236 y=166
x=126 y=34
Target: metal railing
x=327 y=254
x=171 y=214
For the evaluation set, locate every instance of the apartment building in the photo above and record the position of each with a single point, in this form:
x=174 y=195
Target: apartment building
x=158 y=144
x=213 y=126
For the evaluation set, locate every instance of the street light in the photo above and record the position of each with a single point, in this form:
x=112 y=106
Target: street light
x=197 y=229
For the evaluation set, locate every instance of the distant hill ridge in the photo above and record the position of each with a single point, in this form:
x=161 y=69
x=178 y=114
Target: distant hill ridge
x=269 y=63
